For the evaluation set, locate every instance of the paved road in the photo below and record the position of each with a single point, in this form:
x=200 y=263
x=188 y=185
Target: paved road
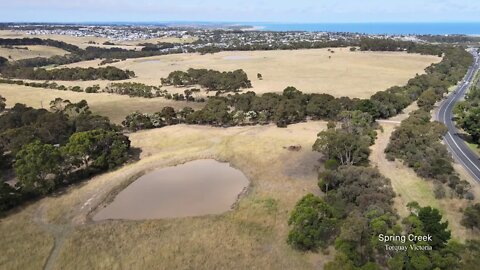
x=461 y=152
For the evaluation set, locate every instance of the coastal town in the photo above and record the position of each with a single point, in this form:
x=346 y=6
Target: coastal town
x=217 y=36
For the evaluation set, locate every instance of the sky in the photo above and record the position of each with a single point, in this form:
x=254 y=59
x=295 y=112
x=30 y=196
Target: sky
x=287 y=11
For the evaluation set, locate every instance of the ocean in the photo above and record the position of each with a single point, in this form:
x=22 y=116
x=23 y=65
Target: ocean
x=377 y=28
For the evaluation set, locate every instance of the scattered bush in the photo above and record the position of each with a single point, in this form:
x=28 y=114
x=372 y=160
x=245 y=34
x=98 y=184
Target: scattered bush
x=471 y=216
x=439 y=191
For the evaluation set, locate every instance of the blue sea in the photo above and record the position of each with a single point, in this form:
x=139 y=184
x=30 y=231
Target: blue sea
x=378 y=28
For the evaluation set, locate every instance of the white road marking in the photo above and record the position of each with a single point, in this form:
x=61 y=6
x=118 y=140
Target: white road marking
x=460 y=160
x=462 y=151
x=446 y=108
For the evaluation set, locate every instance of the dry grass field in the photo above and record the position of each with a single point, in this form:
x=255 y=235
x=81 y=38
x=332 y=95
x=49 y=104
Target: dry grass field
x=31 y=52
x=353 y=74
x=116 y=107
x=24 y=243
x=251 y=236
x=343 y=73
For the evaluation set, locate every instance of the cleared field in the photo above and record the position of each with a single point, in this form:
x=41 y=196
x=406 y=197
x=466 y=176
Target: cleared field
x=251 y=236
x=343 y=73
x=30 y=52
x=409 y=187
x=115 y=107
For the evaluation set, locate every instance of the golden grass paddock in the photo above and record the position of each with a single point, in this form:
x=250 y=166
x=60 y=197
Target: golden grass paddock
x=115 y=107
x=353 y=74
x=251 y=236
x=25 y=52
x=342 y=73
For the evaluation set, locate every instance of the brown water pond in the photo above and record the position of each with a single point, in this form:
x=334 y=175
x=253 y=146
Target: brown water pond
x=195 y=188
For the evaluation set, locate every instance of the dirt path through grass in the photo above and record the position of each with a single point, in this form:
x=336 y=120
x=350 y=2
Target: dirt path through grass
x=58 y=231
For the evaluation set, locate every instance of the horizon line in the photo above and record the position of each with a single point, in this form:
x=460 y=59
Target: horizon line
x=237 y=22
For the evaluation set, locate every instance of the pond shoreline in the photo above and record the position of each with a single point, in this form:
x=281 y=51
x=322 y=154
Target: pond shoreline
x=196 y=187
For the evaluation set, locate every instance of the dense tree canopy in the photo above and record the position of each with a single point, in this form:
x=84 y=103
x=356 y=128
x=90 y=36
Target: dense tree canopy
x=313 y=224
x=48 y=149
x=443 y=254
x=363 y=198
x=212 y=80
x=36 y=166
x=349 y=144
x=433 y=225
x=468 y=114
x=38 y=41
x=347 y=148
x=97 y=148
x=359 y=199
x=132 y=89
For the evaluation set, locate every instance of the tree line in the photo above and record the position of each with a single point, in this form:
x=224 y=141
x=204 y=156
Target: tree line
x=132 y=89
x=417 y=141
x=292 y=106
x=467 y=114
x=365 y=44
x=67 y=74
x=438 y=78
x=48 y=149
x=450 y=38
x=76 y=54
x=38 y=41
x=212 y=80
x=45 y=85
x=386 y=44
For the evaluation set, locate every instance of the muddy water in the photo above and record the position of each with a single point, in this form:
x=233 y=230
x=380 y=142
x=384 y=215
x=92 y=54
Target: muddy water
x=195 y=188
